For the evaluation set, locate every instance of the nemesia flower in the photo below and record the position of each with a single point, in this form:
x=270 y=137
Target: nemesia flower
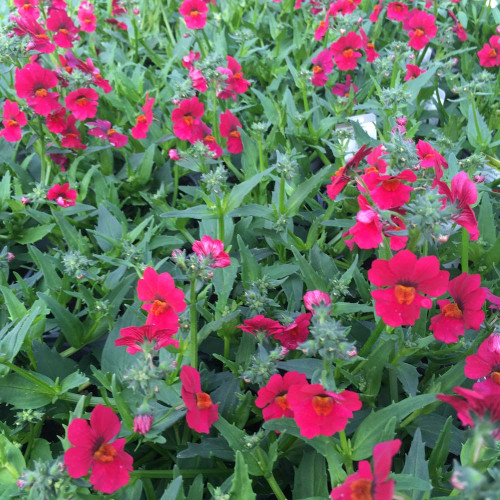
x=108 y=462
x=228 y=128
x=321 y=30
x=495 y=301
x=213 y=251
x=375 y=160
x=62 y=25
x=187 y=61
x=316 y=298
x=142 y=423
x=405 y=276
x=186 y=118
x=201 y=412
x=119 y=24
x=295 y=333
x=141 y=128
x=86 y=17
x=27 y=8
x=489 y=55
x=82 y=103
x=464 y=313
x=369 y=47
x=387 y=191
x=199 y=81
x=261 y=326
x=363 y=485
x=413 y=71
x=70 y=135
x=39 y=40
x=462 y=195
x=397 y=11
x=486 y=363
x=61 y=160
x=458 y=29
x=344 y=89
x=376 y=12
x=134 y=336
x=117 y=8
x=63 y=195
x=56 y=121
x=173 y=154
x=33 y=83
x=342 y=176
x=429 y=157
x=319 y=412
x=13 y=120
x=343 y=7
x=70 y=62
x=422 y=27
x=103 y=130
x=323 y=66
x=194 y=13
x=344 y=51
x=272 y=398
x=484 y=406
x=165 y=301
x=210 y=142
x=234 y=81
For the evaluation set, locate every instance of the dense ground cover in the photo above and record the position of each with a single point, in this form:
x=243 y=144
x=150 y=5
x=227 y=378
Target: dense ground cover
x=249 y=249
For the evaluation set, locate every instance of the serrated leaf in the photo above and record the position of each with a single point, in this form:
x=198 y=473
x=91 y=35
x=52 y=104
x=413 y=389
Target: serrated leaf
x=34 y=234
x=416 y=465
x=241 y=488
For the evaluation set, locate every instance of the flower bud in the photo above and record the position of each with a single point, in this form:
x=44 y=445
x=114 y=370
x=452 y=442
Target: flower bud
x=142 y=423
x=173 y=153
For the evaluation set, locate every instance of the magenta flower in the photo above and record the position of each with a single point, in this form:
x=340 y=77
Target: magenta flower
x=295 y=333
x=82 y=103
x=186 y=118
x=103 y=130
x=486 y=363
x=316 y=298
x=260 y=325
x=63 y=195
x=228 y=128
x=141 y=128
x=134 y=336
x=194 y=13
x=13 y=120
x=345 y=51
x=65 y=31
x=212 y=251
x=322 y=67
x=422 y=27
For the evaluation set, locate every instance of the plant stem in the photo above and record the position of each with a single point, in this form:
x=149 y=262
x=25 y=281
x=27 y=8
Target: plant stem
x=176 y=185
x=465 y=250
x=276 y=488
x=346 y=452
x=282 y=195
x=377 y=331
x=194 y=325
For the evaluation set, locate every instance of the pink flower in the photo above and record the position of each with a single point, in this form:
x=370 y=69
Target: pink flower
x=489 y=55
x=202 y=413
x=141 y=128
x=103 y=130
x=344 y=51
x=273 y=397
x=387 y=191
x=63 y=195
x=321 y=30
x=108 y=462
x=194 y=13
x=13 y=120
x=27 y=8
x=39 y=40
x=422 y=27
x=323 y=66
x=486 y=363
x=212 y=251
x=376 y=12
x=71 y=136
x=86 y=17
x=405 y=276
x=165 y=301
x=294 y=334
x=495 y=301
x=228 y=128
x=458 y=29
x=429 y=157
x=134 y=336
x=173 y=154
x=344 y=89
x=56 y=121
x=199 y=81
x=186 y=118
x=371 y=53
x=464 y=313
x=187 y=61
x=412 y=71
x=316 y=298
x=261 y=326
x=397 y=11
x=209 y=141
x=319 y=412
x=142 y=423
x=65 y=30
x=33 y=83
x=234 y=82
x=82 y=103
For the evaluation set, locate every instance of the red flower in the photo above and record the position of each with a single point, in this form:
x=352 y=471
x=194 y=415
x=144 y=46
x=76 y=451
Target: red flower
x=405 y=275
x=458 y=28
x=186 y=118
x=187 y=61
x=342 y=175
x=134 y=336
x=32 y=83
x=141 y=128
x=323 y=66
x=387 y=191
x=260 y=325
x=119 y=24
x=194 y=13
x=294 y=334
x=319 y=412
x=397 y=11
x=71 y=135
x=82 y=103
x=201 y=412
x=344 y=89
x=91 y=450
x=27 y=8
x=344 y=51
x=210 y=142
x=213 y=251
x=13 y=120
x=56 y=121
x=86 y=17
x=484 y=406
x=422 y=27
x=363 y=485
x=165 y=301
x=376 y=12
x=429 y=157
x=103 y=130
x=227 y=128
x=316 y=298
x=39 y=40
x=273 y=397
x=463 y=194
x=234 y=82
x=486 y=363
x=489 y=55
x=199 y=81
x=321 y=30
x=374 y=159
x=62 y=25
x=63 y=195
x=412 y=71
x=371 y=53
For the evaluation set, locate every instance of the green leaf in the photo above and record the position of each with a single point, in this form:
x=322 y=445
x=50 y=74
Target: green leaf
x=72 y=237
x=310 y=477
x=250 y=269
x=51 y=363
x=416 y=84
x=174 y=490
x=33 y=234
x=241 y=488
x=47 y=264
x=196 y=489
x=440 y=450
x=239 y=191
x=304 y=189
x=74 y=380
x=406 y=482
x=408 y=376
x=478 y=133
x=108 y=226
x=485 y=219
x=198 y=212
x=312 y=279
x=143 y=172
x=17 y=391
x=416 y=465
x=12 y=461
x=14 y=305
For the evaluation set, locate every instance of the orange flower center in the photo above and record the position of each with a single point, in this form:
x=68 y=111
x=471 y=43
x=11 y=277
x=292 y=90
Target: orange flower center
x=391 y=184
x=188 y=120
x=111 y=131
x=194 y=13
x=142 y=119
x=209 y=138
x=370 y=170
x=323 y=405
x=105 y=454
x=87 y=20
x=74 y=136
x=64 y=31
x=42 y=36
x=317 y=69
x=282 y=402
x=419 y=32
x=452 y=311
x=404 y=294
x=495 y=376
x=361 y=489
x=370 y=45
x=41 y=93
x=12 y=123
x=339 y=172
x=203 y=401
x=492 y=53
x=159 y=306
x=235 y=134
x=238 y=76
x=82 y=101
x=397 y=8
x=348 y=53
x=322 y=24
